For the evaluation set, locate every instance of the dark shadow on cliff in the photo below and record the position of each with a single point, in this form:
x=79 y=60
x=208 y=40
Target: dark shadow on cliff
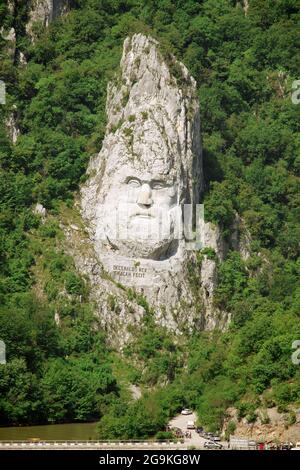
x=211 y=169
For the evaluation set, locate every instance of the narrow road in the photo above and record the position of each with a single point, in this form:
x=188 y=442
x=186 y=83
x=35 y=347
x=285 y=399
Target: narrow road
x=195 y=440
x=180 y=422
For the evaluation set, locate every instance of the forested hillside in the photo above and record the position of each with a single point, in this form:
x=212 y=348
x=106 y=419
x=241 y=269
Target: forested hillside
x=245 y=61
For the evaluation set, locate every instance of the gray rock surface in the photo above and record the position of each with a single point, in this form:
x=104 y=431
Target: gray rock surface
x=150 y=162
x=149 y=167
x=13 y=130
x=44 y=11
x=10 y=37
x=40 y=210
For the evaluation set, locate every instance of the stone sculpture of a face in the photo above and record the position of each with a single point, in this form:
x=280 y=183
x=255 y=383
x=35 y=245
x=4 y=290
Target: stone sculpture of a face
x=145 y=170
x=140 y=213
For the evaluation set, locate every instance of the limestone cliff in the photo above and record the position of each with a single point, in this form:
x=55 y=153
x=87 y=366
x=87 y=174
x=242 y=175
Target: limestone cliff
x=10 y=38
x=151 y=163
x=43 y=12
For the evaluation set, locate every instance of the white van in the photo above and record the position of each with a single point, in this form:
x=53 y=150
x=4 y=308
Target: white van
x=190 y=425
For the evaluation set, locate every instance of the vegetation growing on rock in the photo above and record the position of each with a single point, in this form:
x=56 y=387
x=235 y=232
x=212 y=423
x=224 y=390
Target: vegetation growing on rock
x=244 y=65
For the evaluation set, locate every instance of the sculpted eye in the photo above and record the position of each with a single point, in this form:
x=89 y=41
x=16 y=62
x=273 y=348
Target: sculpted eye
x=133 y=182
x=158 y=185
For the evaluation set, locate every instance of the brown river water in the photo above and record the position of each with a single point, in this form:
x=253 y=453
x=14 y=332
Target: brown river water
x=72 y=431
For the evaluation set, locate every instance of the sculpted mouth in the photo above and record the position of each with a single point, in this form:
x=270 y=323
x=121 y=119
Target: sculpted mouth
x=143 y=215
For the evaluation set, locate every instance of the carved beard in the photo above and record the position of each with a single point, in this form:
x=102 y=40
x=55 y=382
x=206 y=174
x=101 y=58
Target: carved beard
x=139 y=233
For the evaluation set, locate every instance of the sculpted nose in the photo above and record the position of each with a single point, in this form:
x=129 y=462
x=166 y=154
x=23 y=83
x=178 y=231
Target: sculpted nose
x=145 y=196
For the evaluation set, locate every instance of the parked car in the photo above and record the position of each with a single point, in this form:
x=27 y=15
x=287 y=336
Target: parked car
x=190 y=425
x=186 y=411
x=288 y=446
x=216 y=438
x=212 y=445
x=199 y=430
x=297 y=446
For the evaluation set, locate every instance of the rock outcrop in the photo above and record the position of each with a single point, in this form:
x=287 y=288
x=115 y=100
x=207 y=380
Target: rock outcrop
x=43 y=12
x=139 y=201
x=12 y=126
x=10 y=37
x=270 y=426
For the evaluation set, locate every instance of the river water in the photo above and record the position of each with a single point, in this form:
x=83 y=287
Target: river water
x=72 y=431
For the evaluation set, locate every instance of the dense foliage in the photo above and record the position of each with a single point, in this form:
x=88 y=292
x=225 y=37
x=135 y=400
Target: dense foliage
x=244 y=63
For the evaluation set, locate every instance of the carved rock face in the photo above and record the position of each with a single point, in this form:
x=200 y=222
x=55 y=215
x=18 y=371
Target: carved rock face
x=149 y=166
x=138 y=214
x=150 y=161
